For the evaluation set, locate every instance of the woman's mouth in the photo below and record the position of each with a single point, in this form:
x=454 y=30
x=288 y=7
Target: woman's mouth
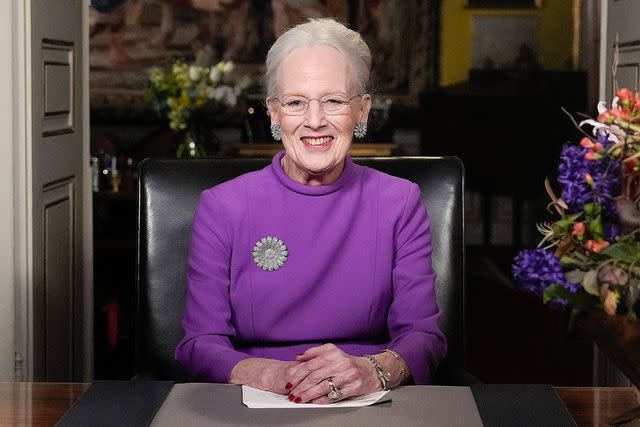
x=316 y=141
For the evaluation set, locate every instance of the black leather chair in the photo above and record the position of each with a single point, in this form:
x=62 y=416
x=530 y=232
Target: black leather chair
x=168 y=191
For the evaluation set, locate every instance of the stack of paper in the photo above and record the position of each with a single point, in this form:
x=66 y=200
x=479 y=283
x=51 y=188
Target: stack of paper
x=254 y=398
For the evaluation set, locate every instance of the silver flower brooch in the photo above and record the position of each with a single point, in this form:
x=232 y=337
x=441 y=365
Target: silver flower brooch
x=270 y=253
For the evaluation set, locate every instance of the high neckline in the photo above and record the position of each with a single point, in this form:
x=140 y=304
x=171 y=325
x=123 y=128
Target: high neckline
x=311 y=190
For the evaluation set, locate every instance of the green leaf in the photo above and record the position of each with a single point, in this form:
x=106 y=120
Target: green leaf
x=622 y=251
x=571 y=262
x=555 y=291
x=579 y=300
x=563 y=225
x=595 y=227
x=592 y=209
x=590 y=283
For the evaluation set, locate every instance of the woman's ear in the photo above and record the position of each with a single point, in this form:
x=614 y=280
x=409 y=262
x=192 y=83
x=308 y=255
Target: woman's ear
x=365 y=108
x=272 y=109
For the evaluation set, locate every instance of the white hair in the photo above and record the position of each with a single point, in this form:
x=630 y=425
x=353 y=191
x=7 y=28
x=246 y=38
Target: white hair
x=315 y=32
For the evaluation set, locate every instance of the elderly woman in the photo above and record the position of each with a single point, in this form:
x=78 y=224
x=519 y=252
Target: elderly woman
x=312 y=277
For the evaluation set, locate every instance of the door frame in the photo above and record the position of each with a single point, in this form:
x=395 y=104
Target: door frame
x=16 y=309
x=7 y=185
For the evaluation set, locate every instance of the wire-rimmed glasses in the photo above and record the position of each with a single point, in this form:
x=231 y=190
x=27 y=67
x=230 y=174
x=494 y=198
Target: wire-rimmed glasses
x=297 y=105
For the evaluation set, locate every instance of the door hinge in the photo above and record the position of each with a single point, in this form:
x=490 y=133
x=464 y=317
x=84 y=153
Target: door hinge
x=18 y=371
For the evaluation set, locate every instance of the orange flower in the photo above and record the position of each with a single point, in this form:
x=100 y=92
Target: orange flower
x=578 y=229
x=595 y=246
x=586 y=143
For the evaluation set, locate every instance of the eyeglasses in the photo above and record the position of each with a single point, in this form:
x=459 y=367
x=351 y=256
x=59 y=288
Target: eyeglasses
x=297 y=105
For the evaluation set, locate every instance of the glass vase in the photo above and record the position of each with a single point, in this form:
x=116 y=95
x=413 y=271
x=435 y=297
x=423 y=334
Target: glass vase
x=189 y=147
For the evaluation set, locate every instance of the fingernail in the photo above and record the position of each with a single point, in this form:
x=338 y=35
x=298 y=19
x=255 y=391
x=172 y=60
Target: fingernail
x=291 y=397
x=288 y=386
x=298 y=400
x=300 y=354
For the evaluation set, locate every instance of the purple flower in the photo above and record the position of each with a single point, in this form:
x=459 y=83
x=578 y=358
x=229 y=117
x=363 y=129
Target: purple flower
x=606 y=174
x=611 y=231
x=536 y=269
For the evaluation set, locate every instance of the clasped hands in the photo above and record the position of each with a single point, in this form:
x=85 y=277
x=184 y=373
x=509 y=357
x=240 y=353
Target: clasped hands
x=306 y=379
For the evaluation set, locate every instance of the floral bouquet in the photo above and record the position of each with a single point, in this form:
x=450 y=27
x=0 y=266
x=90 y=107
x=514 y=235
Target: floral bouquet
x=589 y=258
x=186 y=92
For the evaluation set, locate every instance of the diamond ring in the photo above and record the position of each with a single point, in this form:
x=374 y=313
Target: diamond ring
x=335 y=392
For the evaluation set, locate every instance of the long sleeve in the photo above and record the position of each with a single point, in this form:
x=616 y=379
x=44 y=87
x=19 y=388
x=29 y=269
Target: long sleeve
x=206 y=351
x=413 y=315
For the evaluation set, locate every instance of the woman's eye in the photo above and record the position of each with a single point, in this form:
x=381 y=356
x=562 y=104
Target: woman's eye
x=334 y=101
x=293 y=103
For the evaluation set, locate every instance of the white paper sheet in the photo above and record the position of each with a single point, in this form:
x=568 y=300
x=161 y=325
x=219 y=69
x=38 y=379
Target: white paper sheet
x=254 y=398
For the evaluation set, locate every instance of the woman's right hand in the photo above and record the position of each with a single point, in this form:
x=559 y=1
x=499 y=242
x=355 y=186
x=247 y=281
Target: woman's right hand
x=264 y=374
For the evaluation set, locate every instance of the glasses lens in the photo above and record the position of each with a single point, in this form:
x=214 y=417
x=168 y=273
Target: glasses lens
x=335 y=105
x=331 y=104
x=295 y=105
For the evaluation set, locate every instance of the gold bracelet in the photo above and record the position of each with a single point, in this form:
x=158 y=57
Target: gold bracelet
x=403 y=372
x=383 y=376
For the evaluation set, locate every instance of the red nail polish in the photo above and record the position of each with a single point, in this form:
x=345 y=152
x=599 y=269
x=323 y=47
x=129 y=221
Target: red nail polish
x=288 y=386
x=298 y=400
x=291 y=397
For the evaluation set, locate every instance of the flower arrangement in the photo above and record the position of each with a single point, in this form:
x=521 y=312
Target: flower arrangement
x=185 y=92
x=589 y=258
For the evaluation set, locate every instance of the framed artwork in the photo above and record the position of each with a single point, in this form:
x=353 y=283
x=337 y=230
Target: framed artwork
x=503 y=4
x=504 y=42
x=127 y=37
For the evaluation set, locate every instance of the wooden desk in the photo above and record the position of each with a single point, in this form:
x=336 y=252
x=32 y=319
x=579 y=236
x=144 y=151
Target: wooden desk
x=356 y=150
x=36 y=404
x=43 y=404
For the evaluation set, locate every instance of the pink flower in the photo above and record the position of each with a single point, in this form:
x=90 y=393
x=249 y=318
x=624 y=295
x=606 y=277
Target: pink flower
x=625 y=94
x=595 y=246
x=578 y=229
x=612 y=275
x=586 y=142
x=589 y=179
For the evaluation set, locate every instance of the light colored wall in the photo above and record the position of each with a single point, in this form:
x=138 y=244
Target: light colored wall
x=554 y=36
x=6 y=195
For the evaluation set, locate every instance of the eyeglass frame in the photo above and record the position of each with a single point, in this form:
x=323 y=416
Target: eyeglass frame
x=347 y=102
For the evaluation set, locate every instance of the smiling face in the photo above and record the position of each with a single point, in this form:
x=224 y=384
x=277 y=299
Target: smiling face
x=317 y=143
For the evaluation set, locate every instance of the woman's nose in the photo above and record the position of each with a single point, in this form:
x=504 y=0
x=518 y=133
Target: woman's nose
x=314 y=114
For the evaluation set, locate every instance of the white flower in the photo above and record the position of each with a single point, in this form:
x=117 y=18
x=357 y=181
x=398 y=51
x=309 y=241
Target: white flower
x=194 y=72
x=216 y=93
x=215 y=75
x=230 y=96
x=242 y=84
x=224 y=94
x=228 y=67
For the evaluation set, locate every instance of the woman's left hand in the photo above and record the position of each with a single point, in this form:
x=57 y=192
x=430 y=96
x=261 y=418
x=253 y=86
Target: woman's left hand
x=353 y=376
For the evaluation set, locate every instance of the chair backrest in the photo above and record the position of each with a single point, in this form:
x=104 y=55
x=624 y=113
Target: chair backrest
x=168 y=191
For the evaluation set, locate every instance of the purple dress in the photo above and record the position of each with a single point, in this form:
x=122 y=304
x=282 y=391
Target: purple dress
x=358 y=272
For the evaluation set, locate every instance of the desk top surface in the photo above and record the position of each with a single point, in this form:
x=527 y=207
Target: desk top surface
x=42 y=404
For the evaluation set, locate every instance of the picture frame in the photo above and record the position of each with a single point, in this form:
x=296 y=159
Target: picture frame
x=404 y=61
x=503 y=4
